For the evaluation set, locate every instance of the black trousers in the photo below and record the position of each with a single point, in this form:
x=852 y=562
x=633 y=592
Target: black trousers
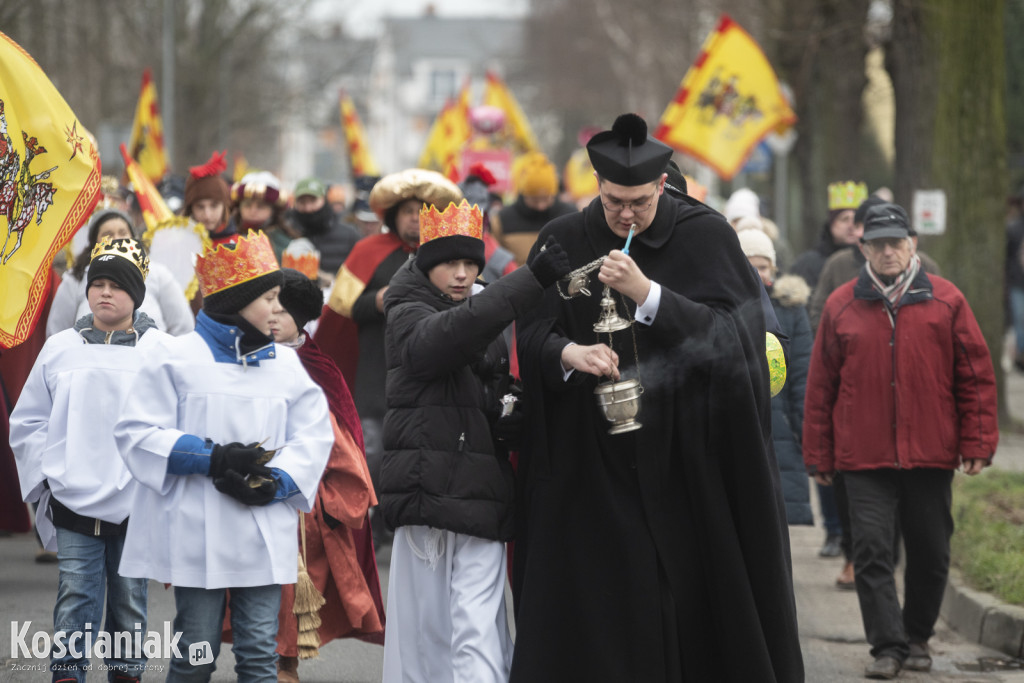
x=920 y=499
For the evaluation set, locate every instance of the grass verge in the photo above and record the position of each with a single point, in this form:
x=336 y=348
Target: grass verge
x=988 y=543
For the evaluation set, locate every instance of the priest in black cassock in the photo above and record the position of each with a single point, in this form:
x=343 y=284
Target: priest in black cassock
x=660 y=554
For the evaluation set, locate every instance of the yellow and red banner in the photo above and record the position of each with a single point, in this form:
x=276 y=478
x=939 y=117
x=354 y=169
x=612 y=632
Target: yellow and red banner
x=359 y=157
x=448 y=136
x=49 y=184
x=154 y=209
x=497 y=94
x=728 y=101
x=146 y=143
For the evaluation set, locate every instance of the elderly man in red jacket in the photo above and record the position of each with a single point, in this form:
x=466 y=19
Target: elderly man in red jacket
x=900 y=393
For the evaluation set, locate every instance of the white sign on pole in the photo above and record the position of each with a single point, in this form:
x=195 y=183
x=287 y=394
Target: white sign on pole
x=930 y=212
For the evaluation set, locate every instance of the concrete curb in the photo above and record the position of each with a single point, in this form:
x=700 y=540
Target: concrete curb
x=983 y=618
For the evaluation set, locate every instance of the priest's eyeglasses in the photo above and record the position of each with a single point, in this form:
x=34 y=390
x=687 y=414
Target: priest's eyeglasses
x=636 y=206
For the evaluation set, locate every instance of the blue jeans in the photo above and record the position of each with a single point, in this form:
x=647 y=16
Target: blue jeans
x=88 y=569
x=200 y=619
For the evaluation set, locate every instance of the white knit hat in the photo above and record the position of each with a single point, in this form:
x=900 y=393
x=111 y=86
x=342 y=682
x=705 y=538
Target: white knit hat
x=756 y=243
x=742 y=202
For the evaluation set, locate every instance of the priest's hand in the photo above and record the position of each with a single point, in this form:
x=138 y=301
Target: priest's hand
x=621 y=273
x=597 y=359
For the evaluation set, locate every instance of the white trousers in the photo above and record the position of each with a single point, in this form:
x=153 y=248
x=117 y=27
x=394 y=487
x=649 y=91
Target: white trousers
x=446 y=618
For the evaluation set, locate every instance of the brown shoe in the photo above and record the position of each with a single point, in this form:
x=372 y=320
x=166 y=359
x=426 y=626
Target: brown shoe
x=845 y=580
x=884 y=667
x=287 y=670
x=919 y=659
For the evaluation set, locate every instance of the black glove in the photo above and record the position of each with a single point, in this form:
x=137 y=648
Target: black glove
x=238 y=458
x=550 y=264
x=508 y=429
x=234 y=484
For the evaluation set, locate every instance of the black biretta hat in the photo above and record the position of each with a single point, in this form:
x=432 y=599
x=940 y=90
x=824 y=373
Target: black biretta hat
x=626 y=154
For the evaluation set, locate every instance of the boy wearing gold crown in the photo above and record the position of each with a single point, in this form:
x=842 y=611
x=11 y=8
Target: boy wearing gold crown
x=61 y=434
x=446 y=482
x=228 y=436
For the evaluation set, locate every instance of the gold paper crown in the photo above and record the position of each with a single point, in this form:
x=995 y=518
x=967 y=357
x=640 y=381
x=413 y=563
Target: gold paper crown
x=308 y=263
x=228 y=265
x=464 y=219
x=126 y=248
x=848 y=195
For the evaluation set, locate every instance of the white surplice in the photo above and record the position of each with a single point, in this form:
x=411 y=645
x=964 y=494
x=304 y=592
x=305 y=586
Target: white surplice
x=62 y=427
x=182 y=530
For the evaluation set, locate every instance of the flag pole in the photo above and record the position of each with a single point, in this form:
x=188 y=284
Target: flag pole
x=167 y=97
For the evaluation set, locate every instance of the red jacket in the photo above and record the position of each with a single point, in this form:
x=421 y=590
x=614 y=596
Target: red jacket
x=912 y=390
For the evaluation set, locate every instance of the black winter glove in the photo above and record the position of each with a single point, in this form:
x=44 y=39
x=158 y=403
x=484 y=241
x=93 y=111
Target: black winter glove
x=234 y=484
x=240 y=458
x=508 y=428
x=550 y=264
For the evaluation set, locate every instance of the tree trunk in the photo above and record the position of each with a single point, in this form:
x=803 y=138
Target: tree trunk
x=969 y=156
x=822 y=55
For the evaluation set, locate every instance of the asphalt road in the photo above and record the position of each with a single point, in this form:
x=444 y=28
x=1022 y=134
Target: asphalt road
x=831 y=633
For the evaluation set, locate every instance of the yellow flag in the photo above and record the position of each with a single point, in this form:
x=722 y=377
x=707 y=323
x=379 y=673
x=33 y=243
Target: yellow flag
x=49 y=184
x=359 y=156
x=497 y=94
x=240 y=168
x=448 y=136
x=147 y=141
x=728 y=101
x=154 y=209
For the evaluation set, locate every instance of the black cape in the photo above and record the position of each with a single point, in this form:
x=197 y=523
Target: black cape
x=661 y=554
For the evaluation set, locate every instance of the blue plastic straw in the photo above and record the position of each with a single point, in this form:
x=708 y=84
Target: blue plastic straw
x=629 y=238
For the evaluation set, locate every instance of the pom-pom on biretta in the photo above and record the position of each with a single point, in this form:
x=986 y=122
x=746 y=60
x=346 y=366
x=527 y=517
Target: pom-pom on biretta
x=455 y=233
x=626 y=154
x=631 y=129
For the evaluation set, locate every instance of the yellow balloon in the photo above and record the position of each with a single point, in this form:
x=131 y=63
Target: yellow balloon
x=776 y=362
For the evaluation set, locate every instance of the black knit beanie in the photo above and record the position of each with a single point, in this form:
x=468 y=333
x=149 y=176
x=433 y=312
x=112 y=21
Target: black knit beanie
x=301 y=297
x=120 y=269
x=442 y=249
x=235 y=298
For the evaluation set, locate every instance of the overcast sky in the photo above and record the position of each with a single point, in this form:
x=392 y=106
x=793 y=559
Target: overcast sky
x=362 y=17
